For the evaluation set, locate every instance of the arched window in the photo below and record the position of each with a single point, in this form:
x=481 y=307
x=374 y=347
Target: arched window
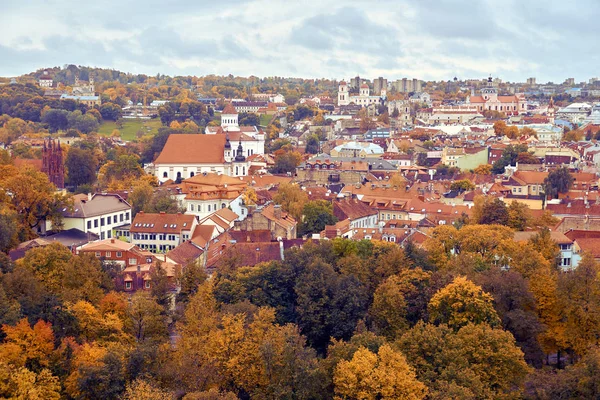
x=179 y=175
x=237 y=171
x=244 y=171
x=165 y=175
x=223 y=205
x=191 y=174
x=191 y=207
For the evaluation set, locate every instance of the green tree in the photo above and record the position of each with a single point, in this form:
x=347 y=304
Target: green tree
x=558 y=181
x=316 y=215
x=312 y=144
x=81 y=165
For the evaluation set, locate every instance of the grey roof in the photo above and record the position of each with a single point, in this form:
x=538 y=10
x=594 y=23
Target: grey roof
x=100 y=204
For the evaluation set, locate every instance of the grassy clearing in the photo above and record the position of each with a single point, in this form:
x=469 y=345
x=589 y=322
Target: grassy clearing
x=131 y=127
x=265 y=119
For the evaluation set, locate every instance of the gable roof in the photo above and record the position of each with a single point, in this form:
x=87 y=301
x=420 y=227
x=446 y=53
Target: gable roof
x=193 y=149
x=100 y=204
x=161 y=222
x=229 y=109
x=352 y=209
x=185 y=253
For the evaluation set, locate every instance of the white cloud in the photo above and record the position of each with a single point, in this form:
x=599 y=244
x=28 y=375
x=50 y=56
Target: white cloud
x=426 y=39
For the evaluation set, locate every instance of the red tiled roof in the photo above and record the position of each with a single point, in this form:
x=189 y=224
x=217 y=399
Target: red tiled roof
x=229 y=109
x=193 y=149
x=161 y=223
x=185 y=253
x=352 y=209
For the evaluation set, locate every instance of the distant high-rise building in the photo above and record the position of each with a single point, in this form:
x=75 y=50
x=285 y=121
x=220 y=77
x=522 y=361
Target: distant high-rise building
x=379 y=84
x=405 y=85
x=570 y=81
x=355 y=82
x=531 y=81
x=52 y=163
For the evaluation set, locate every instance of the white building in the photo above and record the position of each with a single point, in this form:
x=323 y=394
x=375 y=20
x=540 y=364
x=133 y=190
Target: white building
x=99 y=213
x=45 y=80
x=363 y=99
x=251 y=137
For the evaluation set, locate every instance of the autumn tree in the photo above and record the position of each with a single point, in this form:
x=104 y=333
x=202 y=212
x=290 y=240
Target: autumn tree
x=31 y=195
x=483 y=169
x=286 y=162
x=490 y=210
x=477 y=361
x=500 y=128
x=370 y=376
x=462 y=302
x=579 y=291
x=292 y=199
x=519 y=216
x=388 y=310
x=462 y=185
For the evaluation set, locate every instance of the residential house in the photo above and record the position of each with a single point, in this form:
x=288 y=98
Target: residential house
x=568 y=260
x=270 y=217
x=359 y=214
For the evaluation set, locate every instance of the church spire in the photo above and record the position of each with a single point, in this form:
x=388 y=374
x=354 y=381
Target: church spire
x=240 y=153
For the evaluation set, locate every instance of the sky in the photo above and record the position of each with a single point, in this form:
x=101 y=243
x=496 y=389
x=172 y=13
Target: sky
x=425 y=39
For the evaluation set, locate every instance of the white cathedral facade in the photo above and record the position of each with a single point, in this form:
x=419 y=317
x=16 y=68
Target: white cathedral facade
x=364 y=97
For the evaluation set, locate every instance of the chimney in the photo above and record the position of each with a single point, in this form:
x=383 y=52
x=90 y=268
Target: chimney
x=277 y=211
x=112 y=240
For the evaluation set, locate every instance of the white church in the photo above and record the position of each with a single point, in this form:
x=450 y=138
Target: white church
x=363 y=99
x=222 y=150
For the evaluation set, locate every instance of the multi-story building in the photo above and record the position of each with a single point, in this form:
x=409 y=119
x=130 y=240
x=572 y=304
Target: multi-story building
x=161 y=232
x=100 y=213
x=380 y=85
x=489 y=100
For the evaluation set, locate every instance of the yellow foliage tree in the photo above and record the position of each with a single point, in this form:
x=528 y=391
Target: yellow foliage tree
x=385 y=375
x=462 y=302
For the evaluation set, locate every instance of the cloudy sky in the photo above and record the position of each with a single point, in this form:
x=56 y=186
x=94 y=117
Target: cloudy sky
x=426 y=39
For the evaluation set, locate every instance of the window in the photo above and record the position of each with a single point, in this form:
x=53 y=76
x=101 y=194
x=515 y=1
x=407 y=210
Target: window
x=109 y=234
x=102 y=237
x=108 y=220
x=108 y=254
x=191 y=207
x=126 y=216
x=89 y=224
x=165 y=174
x=566 y=262
x=101 y=221
x=121 y=217
x=132 y=261
x=128 y=284
x=95 y=223
x=98 y=254
x=119 y=254
x=147 y=284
